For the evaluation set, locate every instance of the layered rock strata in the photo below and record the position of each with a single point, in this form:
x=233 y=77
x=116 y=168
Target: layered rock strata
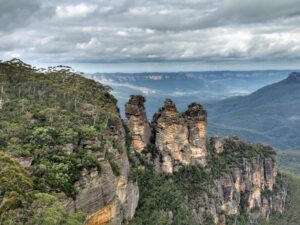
x=107 y=198
x=249 y=184
x=137 y=122
x=179 y=137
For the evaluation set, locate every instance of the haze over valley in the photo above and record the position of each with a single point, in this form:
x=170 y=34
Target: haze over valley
x=219 y=91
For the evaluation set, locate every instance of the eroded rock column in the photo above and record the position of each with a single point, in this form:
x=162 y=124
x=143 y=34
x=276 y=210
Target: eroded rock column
x=137 y=122
x=181 y=135
x=196 y=119
x=171 y=133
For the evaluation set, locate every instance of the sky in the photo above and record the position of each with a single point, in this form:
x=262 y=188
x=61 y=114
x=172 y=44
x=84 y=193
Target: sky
x=152 y=35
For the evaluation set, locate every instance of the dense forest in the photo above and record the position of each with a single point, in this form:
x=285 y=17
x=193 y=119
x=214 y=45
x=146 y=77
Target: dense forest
x=46 y=117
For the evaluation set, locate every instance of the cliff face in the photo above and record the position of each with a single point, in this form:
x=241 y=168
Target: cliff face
x=241 y=178
x=107 y=197
x=66 y=130
x=138 y=123
x=248 y=186
x=179 y=137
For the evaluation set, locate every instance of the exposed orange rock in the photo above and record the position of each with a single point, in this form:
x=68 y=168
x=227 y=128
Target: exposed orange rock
x=103 y=216
x=138 y=123
x=121 y=189
x=180 y=137
x=174 y=137
x=202 y=129
x=254 y=198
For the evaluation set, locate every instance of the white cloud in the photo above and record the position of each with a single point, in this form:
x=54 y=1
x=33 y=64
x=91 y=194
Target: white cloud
x=123 y=33
x=91 y=44
x=143 y=90
x=81 y=9
x=294 y=118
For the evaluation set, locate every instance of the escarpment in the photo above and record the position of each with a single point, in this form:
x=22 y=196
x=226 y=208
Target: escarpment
x=66 y=131
x=247 y=181
x=109 y=196
x=238 y=179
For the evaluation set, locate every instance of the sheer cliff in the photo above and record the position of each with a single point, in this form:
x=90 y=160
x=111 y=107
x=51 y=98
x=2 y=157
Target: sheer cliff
x=219 y=181
x=66 y=131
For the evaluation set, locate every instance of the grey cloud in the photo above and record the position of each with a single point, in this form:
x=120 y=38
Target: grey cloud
x=259 y=10
x=161 y=31
x=19 y=13
x=190 y=15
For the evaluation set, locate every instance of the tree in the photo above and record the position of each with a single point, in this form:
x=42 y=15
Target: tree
x=15 y=188
x=49 y=211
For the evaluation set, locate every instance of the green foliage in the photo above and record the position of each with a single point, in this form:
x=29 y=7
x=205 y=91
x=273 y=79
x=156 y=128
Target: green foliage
x=99 y=147
x=15 y=184
x=151 y=148
x=193 y=180
x=21 y=204
x=114 y=165
x=160 y=196
x=240 y=219
x=115 y=168
x=49 y=211
x=235 y=150
x=218 y=163
x=128 y=142
x=51 y=117
x=118 y=146
x=60 y=172
x=87 y=132
x=44 y=113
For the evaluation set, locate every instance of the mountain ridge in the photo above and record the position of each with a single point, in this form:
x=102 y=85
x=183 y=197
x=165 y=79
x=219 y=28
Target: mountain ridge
x=260 y=112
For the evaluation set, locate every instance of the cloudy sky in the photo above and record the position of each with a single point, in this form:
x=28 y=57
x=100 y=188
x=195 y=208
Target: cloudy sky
x=152 y=35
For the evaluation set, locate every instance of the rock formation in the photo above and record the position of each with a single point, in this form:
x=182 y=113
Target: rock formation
x=196 y=122
x=179 y=137
x=217 y=144
x=1 y=103
x=171 y=136
x=107 y=198
x=138 y=123
x=248 y=183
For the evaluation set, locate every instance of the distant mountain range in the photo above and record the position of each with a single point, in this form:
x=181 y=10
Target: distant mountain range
x=184 y=87
x=270 y=114
x=257 y=105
